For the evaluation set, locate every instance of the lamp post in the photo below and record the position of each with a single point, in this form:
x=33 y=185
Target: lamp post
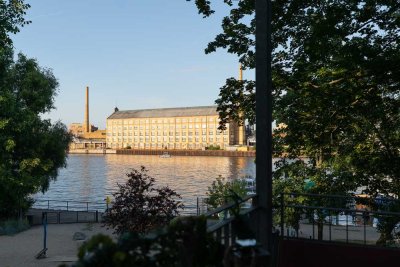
x=264 y=122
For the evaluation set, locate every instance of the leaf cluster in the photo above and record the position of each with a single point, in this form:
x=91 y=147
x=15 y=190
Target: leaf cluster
x=220 y=191
x=12 y=14
x=139 y=206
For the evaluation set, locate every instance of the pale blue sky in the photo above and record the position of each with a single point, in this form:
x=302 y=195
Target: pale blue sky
x=135 y=54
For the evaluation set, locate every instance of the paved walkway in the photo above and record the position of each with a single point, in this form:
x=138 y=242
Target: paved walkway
x=20 y=249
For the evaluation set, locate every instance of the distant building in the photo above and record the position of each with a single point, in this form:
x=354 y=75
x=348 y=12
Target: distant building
x=171 y=128
x=86 y=136
x=77 y=129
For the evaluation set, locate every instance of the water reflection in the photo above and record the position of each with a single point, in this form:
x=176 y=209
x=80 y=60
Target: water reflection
x=93 y=177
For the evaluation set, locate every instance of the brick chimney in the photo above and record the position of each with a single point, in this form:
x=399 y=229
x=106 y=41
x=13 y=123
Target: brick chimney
x=86 y=125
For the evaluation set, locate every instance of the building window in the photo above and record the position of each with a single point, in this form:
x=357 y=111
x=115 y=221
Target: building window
x=177 y=139
x=183 y=139
x=210 y=139
x=196 y=133
x=177 y=133
x=183 y=126
x=197 y=126
x=171 y=133
x=204 y=139
x=204 y=132
x=190 y=139
x=190 y=133
x=197 y=139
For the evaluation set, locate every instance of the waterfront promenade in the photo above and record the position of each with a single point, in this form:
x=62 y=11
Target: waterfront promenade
x=20 y=250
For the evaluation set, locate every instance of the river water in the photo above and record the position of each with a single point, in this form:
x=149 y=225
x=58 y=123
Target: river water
x=93 y=177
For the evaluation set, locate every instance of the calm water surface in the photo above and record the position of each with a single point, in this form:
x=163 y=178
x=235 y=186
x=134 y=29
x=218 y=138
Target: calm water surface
x=93 y=177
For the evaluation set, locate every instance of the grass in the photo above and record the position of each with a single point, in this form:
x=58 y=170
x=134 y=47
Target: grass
x=12 y=227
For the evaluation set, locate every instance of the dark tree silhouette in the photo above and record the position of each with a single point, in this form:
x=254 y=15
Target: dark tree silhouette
x=139 y=206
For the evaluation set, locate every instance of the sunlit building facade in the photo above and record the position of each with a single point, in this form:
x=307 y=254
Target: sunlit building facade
x=170 y=128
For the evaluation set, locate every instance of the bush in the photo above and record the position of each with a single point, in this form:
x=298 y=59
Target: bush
x=12 y=227
x=140 y=207
x=213 y=147
x=220 y=192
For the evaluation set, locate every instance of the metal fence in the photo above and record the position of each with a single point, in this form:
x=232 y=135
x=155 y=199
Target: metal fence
x=219 y=220
x=337 y=218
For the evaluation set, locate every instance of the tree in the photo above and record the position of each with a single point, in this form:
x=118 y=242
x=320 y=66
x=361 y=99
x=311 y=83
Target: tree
x=31 y=148
x=11 y=18
x=336 y=83
x=140 y=207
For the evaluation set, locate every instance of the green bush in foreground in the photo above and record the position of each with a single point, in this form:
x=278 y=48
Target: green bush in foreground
x=12 y=227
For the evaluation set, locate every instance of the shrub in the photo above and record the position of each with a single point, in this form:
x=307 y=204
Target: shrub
x=140 y=207
x=12 y=227
x=220 y=191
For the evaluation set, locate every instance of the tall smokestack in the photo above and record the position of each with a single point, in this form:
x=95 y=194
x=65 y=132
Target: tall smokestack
x=86 y=126
x=241 y=130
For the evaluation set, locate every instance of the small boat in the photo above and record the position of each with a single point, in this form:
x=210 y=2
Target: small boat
x=165 y=155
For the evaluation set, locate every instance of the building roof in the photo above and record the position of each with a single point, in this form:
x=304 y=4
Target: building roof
x=165 y=112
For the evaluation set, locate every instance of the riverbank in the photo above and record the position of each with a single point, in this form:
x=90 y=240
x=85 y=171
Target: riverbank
x=182 y=152
x=172 y=152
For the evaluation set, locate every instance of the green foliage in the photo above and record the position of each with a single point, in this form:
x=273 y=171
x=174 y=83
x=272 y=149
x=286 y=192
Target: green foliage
x=31 y=148
x=11 y=18
x=336 y=77
x=184 y=242
x=220 y=191
x=217 y=147
x=140 y=207
x=12 y=227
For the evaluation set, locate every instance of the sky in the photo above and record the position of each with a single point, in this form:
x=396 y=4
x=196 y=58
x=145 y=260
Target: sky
x=133 y=54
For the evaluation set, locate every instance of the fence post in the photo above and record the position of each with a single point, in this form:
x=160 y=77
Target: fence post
x=67 y=205
x=282 y=215
x=87 y=206
x=197 y=206
x=97 y=216
x=48 y=204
